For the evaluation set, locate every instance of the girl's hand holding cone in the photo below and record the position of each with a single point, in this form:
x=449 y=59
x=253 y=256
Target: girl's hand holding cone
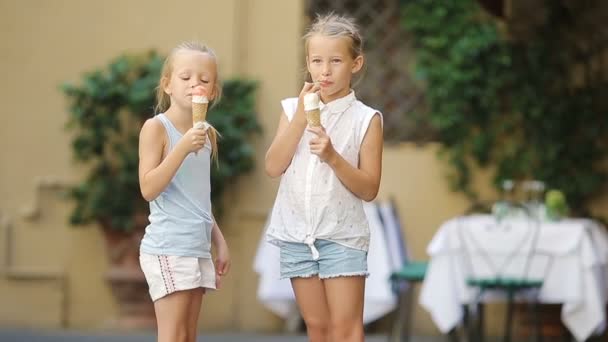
x=321 y=145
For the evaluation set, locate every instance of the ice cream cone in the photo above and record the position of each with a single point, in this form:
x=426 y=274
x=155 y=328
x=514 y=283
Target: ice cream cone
x=313 y=117
x=200 y=103
x=311 y=108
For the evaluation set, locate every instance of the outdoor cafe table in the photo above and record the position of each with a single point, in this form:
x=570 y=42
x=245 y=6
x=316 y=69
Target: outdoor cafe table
x=577 y=276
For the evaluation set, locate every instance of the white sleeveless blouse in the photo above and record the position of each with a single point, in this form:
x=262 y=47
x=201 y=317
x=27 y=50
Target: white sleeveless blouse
x=311 y=202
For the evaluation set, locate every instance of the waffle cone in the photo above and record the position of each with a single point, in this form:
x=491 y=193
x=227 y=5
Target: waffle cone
x=313 y=117
x=199 y=112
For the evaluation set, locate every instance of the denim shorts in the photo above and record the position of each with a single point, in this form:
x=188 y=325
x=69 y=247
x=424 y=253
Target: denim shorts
x=335 y=260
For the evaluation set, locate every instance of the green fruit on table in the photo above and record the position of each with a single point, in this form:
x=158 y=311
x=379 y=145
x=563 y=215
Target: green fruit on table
x=556 y=204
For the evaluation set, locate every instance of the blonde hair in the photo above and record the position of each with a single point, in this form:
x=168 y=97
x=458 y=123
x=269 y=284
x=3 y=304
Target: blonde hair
x=335 y=26
x=163 y=101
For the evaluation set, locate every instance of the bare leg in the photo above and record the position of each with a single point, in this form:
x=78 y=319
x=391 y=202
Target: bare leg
x=194 y=312
x=345 y=300
x=172 y=316
x=310 y=296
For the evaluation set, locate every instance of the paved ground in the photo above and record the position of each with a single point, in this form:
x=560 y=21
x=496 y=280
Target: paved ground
x=24 y=335
x=19 y=335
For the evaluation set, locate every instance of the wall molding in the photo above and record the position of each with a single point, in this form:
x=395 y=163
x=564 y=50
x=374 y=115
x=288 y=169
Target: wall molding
x=32 y=211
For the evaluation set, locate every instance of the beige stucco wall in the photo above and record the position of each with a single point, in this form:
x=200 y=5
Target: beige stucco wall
x=48 y=42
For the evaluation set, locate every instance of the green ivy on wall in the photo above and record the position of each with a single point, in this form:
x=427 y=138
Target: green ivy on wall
x=234 y=117
x=106 y=112
x=530 y=106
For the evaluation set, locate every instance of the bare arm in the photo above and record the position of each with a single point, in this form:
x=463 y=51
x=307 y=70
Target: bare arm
x=222 y=261
x=363 y=181
x=281 y=151
x=217 y=238
x=155 y=173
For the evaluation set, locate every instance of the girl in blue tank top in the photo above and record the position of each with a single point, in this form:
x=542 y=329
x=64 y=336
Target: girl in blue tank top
x=174 y=176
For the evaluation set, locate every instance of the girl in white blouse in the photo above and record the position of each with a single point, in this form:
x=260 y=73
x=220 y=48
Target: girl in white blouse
x=326 y=172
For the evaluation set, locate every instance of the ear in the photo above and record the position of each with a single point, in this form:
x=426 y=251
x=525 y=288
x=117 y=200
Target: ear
x=308 y=65
x=357 y=64
x=164 y=83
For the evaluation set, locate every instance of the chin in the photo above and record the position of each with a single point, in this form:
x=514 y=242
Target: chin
x=326 y=91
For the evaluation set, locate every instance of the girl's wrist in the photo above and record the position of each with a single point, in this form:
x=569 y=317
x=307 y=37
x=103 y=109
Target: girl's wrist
x=333 y=159
x=182 y=149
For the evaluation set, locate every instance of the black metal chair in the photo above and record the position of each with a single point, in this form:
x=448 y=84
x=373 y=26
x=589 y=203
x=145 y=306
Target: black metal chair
x=403 y=280
x=410 y=273
x=509 y=273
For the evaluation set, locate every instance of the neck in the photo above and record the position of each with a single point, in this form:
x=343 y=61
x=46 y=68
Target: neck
x=181 y=118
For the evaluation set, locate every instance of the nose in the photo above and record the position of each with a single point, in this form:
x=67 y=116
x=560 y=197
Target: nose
x=325 y=71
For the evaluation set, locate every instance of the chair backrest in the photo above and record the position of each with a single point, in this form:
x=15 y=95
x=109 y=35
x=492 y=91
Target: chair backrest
x=391 y=222
x=504 y=248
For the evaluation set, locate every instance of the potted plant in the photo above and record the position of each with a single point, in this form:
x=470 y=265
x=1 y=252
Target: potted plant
x=106 y=112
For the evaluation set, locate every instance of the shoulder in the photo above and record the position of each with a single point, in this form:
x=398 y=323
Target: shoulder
x=364 y=110
x=290 y=102
x=153 y=130
x=366 y=113
x=153 y=125
x=289 y=106
x=365 y=118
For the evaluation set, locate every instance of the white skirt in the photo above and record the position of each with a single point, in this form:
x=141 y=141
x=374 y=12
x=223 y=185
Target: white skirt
x=166 y=274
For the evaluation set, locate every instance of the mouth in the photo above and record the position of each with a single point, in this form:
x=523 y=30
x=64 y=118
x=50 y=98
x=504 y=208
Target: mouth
x=325 y=83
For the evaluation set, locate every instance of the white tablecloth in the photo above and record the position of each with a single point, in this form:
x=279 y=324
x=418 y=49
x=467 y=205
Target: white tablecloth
x=576 y=277
x=383 y=257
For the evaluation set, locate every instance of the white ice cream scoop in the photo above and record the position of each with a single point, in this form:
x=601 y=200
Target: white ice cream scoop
x=311 y=101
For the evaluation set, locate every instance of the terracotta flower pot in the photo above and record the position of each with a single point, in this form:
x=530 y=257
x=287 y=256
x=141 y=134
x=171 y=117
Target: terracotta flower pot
x=126 y=279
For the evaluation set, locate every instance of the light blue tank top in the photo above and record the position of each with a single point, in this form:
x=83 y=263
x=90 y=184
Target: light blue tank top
x=180 y=217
